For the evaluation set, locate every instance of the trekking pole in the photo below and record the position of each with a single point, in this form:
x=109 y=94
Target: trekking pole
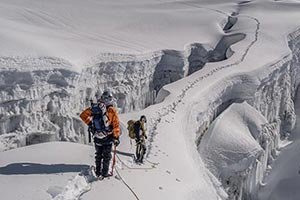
x=114 y=160
x=90 y=136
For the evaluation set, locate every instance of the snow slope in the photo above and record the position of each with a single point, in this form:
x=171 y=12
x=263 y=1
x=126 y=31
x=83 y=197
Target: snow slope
x=253 y=58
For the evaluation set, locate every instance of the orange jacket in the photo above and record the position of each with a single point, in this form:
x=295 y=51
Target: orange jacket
x=112 y=115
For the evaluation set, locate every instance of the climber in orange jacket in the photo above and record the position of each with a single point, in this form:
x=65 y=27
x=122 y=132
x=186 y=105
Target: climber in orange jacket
x=103 y=121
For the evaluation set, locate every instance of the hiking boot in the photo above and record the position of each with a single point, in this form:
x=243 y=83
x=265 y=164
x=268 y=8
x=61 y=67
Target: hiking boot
x=101 y=177
x=95 y=172
x=106 y=175
x=139 y=161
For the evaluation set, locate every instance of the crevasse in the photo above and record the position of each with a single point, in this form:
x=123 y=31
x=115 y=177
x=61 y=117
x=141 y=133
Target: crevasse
x=41 y=101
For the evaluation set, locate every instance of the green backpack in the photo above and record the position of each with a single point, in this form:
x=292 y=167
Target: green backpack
x=130 y=128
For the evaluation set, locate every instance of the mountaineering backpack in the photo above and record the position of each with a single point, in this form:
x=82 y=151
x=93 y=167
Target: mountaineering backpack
x=98 y=122
x=130 y=128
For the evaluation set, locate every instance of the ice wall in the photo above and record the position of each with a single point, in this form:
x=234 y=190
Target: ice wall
x=136 y=79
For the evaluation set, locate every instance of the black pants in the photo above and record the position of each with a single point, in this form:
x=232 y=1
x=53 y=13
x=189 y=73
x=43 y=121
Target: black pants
x=102 y=159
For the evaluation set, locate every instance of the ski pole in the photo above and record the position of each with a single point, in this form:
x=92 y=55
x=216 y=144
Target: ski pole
x=114 y=160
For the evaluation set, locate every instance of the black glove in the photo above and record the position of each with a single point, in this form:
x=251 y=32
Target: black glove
x=116 y=141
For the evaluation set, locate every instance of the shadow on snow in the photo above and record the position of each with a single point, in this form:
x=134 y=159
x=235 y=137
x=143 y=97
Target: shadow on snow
x=34 y=168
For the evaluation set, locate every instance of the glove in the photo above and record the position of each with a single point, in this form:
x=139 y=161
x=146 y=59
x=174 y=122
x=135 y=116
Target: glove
x=116 y=141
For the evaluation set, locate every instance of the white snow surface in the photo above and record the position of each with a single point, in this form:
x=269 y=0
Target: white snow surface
x=77 y=31
x=92 y=43
x=40 y=171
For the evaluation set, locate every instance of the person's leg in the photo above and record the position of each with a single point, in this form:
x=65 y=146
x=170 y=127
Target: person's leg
x=106 y=159
x=143 y=151
x=138 y=151
x=98 y=159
